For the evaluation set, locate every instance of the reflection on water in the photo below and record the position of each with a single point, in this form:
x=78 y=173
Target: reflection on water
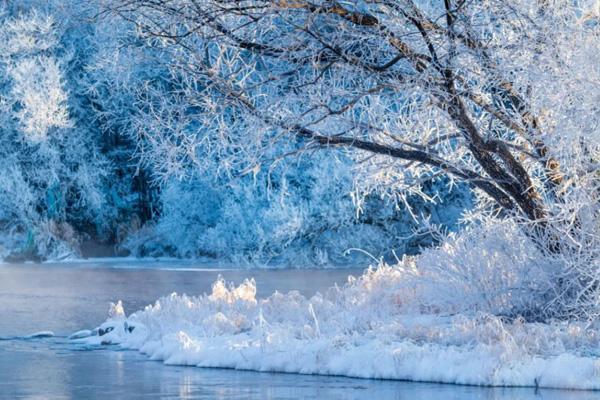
x=53 y=369
x=65 y=299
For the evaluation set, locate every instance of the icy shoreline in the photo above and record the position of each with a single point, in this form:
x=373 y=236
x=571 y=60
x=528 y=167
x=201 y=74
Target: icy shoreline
x=365 y=329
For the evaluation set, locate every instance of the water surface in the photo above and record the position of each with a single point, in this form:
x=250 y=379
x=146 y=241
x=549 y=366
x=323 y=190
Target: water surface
x=64 y=298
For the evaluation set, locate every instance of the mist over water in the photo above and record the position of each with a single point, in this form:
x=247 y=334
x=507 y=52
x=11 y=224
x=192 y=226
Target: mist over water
x=64 y=298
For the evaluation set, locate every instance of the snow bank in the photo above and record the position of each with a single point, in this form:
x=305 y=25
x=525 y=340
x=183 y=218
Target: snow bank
x=369 y=328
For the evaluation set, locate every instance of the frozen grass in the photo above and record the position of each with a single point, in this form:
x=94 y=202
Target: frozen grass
x=377 y=325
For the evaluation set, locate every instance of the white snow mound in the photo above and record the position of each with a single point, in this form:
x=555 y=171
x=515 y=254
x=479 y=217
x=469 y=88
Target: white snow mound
x=370 y=328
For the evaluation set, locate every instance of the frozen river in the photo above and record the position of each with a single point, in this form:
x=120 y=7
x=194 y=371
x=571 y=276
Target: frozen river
x=64 y=298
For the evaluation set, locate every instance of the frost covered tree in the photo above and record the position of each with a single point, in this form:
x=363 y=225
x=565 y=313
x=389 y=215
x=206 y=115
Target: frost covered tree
x=302 y=213
x=94 y=96
x=52 y=174
x=501 y=95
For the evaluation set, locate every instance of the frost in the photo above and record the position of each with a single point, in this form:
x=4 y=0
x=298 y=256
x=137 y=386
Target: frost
x=40 y=335
x=38 y=88
x=245 y=292
x=52 y=174
x=80 y=334
x=36 y=78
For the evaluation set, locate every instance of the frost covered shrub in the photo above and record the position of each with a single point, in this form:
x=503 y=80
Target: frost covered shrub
x=301 y=214
x=37 y=84
x=494 y=268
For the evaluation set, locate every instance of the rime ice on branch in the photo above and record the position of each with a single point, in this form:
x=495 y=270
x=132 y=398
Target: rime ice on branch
x=500 y=95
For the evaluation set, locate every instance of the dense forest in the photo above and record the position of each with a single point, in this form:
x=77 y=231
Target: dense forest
x=80 y=174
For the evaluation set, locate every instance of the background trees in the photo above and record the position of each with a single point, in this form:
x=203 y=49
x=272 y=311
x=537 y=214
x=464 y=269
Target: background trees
x=499 y=95
x=94 y=116
x=449 y=87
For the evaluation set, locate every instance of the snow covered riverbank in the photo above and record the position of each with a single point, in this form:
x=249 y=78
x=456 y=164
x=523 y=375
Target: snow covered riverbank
x=365 y=329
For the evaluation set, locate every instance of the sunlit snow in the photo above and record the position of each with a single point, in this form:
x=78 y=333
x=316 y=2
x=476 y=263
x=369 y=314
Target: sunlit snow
x=359 y=330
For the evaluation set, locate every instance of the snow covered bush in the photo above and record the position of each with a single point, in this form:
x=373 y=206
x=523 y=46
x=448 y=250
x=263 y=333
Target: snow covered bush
x=300 y=214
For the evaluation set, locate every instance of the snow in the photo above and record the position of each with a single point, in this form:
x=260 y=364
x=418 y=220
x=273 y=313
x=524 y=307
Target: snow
x=367 y=328
x=80 y=334
x=39 y=335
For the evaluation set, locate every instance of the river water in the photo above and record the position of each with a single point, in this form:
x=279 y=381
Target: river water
x=64 y=298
